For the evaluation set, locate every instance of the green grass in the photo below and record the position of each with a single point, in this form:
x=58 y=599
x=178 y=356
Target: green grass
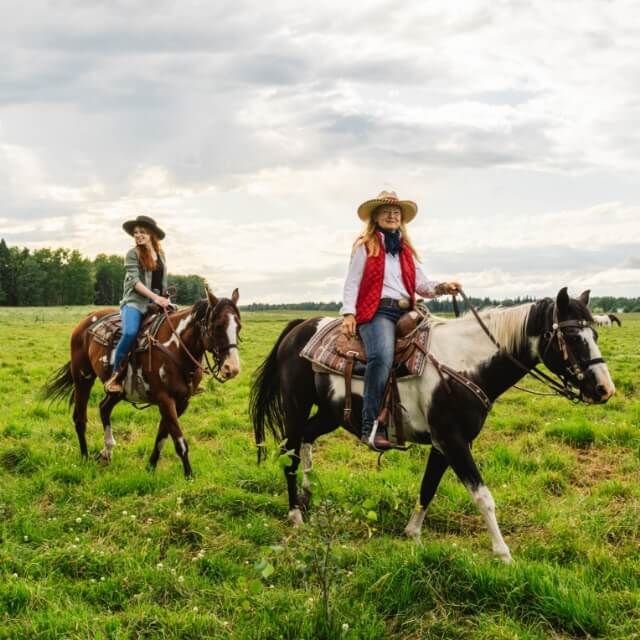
x=112 y=551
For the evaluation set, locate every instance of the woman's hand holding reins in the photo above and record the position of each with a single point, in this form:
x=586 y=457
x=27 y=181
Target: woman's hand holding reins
x=349 y=325
x=445 y=288
x=162 y=302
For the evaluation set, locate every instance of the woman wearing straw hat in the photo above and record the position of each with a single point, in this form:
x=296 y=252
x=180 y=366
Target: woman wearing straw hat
x=383 y=279
x=145 y=281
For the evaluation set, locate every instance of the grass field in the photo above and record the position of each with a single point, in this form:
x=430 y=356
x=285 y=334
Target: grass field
x=94 y=551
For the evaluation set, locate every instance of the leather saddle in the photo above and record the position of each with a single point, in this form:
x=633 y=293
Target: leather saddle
x=331 y=349
x=107 y=330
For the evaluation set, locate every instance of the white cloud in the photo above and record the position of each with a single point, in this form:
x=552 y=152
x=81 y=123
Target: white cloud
x=251 y=133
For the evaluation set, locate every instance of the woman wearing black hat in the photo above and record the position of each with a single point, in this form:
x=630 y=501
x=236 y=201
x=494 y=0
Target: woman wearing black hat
x=145 y=281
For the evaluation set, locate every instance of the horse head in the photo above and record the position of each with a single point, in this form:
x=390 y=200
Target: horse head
x=568 y=346
x=220 y=334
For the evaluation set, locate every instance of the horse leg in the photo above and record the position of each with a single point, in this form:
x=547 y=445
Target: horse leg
x=295 y=414
x=316 y=426
x=163 y=434
x=81 y=392
x=436 y=466
x=161 y=438
x=106 y=407
x=462 y=462
x=169 y=412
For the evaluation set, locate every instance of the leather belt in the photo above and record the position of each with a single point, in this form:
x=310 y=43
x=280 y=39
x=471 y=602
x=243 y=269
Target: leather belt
x=402 y=303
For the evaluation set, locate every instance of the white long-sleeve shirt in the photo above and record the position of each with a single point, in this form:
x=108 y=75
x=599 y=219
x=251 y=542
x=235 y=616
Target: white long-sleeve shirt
x=392 y=285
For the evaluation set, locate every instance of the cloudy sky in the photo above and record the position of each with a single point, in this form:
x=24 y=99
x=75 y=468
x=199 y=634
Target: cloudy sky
x=252 y=131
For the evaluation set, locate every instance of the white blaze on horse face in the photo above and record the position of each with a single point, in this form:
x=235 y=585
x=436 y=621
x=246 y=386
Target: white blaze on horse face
x=231 y=365
x=162 y=372
x=600 y=370
x=487 y=507
x=182 y=325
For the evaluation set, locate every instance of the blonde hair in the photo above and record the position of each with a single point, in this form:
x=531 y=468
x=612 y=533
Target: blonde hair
x=370 y=239
x=145 y=257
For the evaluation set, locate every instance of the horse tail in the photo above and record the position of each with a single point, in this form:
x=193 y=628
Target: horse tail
x=59 y=385
x=614 y=319
x=265 y=401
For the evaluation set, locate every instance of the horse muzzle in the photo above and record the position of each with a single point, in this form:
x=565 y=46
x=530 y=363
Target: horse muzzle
x=230 y=368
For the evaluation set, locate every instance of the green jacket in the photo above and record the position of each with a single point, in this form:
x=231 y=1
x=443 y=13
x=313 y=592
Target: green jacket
x=133 y=274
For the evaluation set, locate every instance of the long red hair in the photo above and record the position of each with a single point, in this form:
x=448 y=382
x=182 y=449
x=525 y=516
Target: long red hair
x=145 y=257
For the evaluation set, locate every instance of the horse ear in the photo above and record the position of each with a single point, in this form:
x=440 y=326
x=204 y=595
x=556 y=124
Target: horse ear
x=584 y=297
x=235 y=296
x=212 y=299
x=562 y=300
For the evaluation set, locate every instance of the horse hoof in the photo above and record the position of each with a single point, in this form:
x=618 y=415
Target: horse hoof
x=504 y=555
x=295 y=517
x=304 y=500
x=414 y=535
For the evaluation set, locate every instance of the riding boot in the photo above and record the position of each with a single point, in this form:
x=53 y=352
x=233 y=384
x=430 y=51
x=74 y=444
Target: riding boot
x=114 y=383
x=379 y=441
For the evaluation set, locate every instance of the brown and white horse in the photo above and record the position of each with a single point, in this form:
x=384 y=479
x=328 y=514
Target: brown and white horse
x=443 y=413
x=166 y=376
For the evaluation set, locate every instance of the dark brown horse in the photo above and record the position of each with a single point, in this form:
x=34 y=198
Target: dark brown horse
x=166 y=374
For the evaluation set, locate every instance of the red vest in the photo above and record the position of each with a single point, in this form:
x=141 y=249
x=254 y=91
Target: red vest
x=370 y=290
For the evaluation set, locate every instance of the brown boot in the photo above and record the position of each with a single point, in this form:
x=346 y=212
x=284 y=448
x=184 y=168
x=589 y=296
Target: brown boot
x=114 y=383
x=380 y=442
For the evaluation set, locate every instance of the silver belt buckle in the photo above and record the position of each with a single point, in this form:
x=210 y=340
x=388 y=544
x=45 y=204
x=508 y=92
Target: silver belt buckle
x=403 y=303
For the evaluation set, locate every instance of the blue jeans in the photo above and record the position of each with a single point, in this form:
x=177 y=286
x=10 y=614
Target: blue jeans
x=131 y=319
x=379 y=338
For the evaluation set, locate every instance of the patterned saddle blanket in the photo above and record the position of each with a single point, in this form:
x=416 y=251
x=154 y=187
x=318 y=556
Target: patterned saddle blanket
x=108 y=329
x=330 y=350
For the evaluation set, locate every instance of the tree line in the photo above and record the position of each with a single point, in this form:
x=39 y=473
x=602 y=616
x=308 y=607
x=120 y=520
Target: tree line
x=53 y=277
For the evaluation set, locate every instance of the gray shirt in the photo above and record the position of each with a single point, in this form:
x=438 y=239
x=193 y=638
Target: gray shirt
x=134 y=273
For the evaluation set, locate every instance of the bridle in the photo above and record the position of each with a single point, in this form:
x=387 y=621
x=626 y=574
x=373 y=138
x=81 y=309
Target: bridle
x=218 y=354
x=572 y=366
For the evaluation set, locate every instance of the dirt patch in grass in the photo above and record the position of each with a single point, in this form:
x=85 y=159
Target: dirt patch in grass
x=594 y=466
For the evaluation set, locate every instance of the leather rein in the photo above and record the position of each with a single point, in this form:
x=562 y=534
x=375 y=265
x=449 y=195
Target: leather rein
x=572 y=365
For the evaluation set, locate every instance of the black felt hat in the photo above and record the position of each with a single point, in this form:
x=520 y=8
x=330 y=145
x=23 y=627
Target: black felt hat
x=143 y=221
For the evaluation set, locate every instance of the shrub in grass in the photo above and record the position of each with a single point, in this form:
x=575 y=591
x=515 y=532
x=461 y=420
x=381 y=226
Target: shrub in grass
x=576 y=434
x=552 y=482
x=19 y=459
x=15 y=597
x=531 y=593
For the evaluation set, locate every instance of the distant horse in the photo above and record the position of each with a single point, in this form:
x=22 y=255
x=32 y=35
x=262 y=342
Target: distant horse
x=436 y=409
x=605 y=320
x=165 y=375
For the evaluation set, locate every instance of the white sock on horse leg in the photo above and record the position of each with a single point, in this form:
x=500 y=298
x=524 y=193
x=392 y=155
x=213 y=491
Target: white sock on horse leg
x=487 y=507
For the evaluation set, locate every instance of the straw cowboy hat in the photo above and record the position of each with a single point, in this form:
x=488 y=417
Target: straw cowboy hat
x=143 y=221
x=408 y=207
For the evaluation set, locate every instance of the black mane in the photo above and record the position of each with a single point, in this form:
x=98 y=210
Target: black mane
x=199 y=310
x=541 y=315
